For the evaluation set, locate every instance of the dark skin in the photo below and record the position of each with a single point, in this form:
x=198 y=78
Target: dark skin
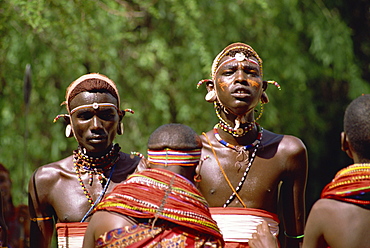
x=338 y=224
x=54 y=190
x=331 y=223
x=281 y=161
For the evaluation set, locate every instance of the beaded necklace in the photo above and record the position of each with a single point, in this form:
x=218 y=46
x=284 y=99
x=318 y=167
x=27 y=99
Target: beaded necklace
x=83 y=163
x=95 y=165
x=236 y=148
x=236 y=132
x=255 y=144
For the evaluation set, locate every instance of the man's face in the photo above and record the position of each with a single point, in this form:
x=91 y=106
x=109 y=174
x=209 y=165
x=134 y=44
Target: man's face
x=94 y=129
x=238 y=85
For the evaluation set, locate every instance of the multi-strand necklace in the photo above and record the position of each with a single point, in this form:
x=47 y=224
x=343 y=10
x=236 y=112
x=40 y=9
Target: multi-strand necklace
x=236 y=132
x=241 y=152
x=95 y=166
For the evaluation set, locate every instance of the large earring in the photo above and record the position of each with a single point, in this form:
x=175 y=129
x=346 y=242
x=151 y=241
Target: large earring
x=69 y=132
x=120 y=129
x=211 y=96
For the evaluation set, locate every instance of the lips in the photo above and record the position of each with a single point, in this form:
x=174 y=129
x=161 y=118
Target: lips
x=97 y=138
x=240 y=92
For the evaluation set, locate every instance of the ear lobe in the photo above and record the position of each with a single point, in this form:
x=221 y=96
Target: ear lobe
x=264 y=98
x=120 y=128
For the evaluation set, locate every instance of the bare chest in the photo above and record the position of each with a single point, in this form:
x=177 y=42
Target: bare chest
x=238 y=179
x=73 y=198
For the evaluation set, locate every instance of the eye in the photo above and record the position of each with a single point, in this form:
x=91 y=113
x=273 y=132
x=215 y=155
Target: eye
x=107 y=115
x=85 y=115
x=227 y=72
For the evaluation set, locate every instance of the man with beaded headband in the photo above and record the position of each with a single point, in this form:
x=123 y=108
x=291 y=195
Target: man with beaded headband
x=159 y=206
x=64 y=192
x=250 y=168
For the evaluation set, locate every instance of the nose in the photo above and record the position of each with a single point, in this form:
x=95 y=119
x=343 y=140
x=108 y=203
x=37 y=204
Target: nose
x=240 y=76
x=96 y=123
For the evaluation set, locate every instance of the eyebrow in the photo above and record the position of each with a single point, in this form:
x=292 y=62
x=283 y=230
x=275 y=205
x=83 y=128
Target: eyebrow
x=234 y=64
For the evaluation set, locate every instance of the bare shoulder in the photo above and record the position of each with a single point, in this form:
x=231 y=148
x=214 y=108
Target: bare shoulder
x=50 y=173
x=292 y=145
x=336 y=222
x=335 y=208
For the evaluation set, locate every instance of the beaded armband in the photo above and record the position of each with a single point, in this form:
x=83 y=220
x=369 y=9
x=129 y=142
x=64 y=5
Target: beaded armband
x=41 y=219
x=293 y=237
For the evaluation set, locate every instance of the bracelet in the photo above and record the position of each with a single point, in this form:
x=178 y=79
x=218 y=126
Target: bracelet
x=40 y=219
x=293 y=237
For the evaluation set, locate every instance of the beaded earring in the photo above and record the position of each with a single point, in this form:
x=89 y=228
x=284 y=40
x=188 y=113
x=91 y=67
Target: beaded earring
x=69 y=131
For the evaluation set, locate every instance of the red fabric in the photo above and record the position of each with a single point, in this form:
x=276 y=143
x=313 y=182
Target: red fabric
x=351 y=184
x=72 y=229
x=162 y=194
x=145 y=236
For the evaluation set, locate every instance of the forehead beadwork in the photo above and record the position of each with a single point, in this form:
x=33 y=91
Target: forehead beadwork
x=239 y=52
x=95 y=105
x=240 y=57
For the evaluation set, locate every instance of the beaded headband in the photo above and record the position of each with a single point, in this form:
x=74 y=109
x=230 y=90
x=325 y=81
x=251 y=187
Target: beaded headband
x=95 y=105
x=247 y=51
x=83 y=78
x=168 y=157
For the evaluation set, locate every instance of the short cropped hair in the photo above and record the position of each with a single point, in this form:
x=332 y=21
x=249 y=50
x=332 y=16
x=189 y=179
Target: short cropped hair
x=174 y=136
x=357 y=126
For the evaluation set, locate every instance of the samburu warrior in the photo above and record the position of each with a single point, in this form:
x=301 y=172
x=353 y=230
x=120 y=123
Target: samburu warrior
x=250 y=168
x=64 y=192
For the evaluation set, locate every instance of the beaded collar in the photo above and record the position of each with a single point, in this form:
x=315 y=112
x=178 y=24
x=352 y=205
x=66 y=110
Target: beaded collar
x=93 y=165
x=237 y=148
x=234 y=131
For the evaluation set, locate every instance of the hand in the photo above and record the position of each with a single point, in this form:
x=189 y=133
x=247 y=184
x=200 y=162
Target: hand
x=263 y=238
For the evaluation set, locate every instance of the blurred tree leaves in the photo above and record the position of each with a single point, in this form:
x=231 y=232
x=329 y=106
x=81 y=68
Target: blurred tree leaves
x=156 y=51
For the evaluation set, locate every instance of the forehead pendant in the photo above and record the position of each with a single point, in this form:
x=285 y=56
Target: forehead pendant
x=95 y=105
x=240 y=56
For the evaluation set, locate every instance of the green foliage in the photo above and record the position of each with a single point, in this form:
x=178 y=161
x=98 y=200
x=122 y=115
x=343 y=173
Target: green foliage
x=157 y=51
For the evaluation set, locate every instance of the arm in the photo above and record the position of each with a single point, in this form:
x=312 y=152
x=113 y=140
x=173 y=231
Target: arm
x=41 y=213
x=314 y=235
x=97 y=227
x=293 y=190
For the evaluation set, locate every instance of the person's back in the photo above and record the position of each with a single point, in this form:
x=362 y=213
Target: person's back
x=341 y=217
x=339 y=224
x=159 y=206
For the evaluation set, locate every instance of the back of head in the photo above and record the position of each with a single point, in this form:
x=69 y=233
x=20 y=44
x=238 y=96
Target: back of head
x=175 y=147
x=357 y=126
x=174 y=136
